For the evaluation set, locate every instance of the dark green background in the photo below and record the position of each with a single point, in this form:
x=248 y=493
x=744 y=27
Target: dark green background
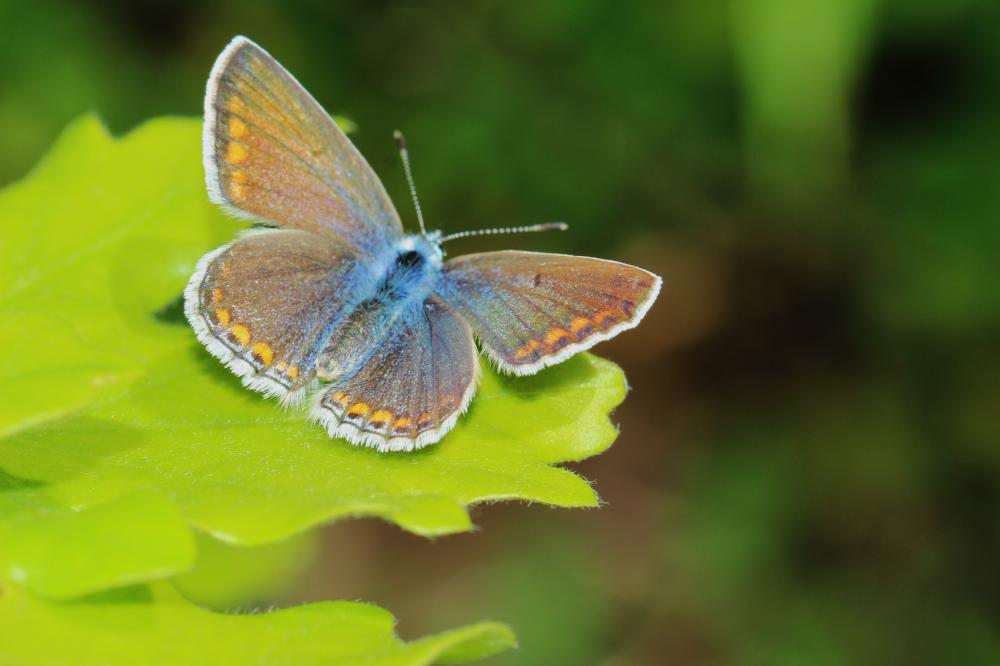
x=809 y=464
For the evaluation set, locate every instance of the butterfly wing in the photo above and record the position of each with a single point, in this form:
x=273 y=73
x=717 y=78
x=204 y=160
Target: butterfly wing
x=272 y=153
x=412 y=386
x=265 y=304
x=531 y=310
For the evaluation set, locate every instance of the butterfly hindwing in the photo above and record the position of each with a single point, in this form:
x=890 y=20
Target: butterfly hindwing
x=415 y=382
x=272 y=153
x=531 y=310
x=265 y=304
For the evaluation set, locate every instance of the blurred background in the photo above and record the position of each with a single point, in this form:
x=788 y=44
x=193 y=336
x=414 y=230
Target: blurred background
x=808 y=470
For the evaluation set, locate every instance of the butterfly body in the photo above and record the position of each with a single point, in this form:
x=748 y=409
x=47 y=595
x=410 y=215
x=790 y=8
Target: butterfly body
x=399 y=281
x=340 y=303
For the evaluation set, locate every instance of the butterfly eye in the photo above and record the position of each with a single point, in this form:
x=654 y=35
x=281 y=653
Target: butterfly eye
x=409 y=259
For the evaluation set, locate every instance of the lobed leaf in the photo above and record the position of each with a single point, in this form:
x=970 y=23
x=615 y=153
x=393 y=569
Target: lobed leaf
x=146 y=625
x=126 y=427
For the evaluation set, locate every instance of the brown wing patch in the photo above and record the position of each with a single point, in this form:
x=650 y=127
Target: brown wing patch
x=532 y=309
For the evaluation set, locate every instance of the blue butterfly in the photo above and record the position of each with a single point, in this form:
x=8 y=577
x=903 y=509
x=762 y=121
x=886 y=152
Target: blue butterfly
x=337 y=293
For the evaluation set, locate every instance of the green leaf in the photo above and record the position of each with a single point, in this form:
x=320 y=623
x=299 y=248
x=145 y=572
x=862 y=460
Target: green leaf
x=60 y=553
x=154 y=626
x=231 y=577
x=99 y=236
x=122 y=402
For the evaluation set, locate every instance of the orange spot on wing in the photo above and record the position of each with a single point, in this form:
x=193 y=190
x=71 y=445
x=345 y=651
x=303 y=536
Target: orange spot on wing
x=527 y=349
x=424 y=421
x=237 y=179
x=216 y=295
x=235 y=152
x=293 y=372
x=358 y=409
x=557 y=337
x=240 y=334
x=340 y=398
x=580 y=326
x=402 y=423
x=606 y=318
x=235 y=105
x=380 y=418
x=263 y=352
x=223 y=317
x=237 y=128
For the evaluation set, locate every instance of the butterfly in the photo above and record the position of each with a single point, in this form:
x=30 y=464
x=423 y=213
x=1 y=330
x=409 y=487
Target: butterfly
x=331 y=299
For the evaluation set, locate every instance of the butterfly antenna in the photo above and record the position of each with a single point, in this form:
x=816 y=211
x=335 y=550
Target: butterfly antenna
x=547 y=226
x=404 y=155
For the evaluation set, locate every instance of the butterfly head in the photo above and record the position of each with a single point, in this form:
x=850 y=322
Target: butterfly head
x=422 y=248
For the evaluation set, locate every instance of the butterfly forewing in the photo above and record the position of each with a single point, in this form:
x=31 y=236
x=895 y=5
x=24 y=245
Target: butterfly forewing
x=531 y=309
x=272 y=153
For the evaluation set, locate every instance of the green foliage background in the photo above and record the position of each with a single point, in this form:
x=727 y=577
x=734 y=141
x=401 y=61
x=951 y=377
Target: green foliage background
x=809 y=468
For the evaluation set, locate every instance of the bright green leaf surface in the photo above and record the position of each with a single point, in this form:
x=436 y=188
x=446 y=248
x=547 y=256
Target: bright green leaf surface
x=229 y=577
x=247 y=472
x=99 y=236
x=119 y=401
x=62 y=554
x=139 y=626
